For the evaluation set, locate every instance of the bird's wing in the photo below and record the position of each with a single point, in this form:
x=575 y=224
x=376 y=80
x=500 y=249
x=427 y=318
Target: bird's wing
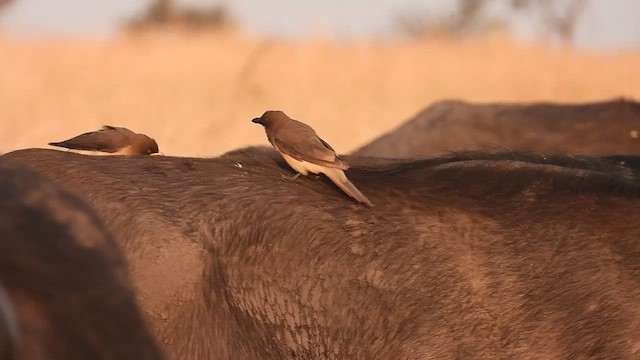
x=122 y=130
x=107 y=139
x=301 y=142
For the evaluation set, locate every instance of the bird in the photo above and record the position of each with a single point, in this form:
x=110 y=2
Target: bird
x=111 y=140
x=306 y=152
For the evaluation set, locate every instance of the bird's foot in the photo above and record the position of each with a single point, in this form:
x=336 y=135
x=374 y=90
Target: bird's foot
x=291 y=177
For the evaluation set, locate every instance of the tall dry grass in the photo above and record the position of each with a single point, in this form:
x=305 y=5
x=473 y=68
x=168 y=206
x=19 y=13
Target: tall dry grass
x=197 y=94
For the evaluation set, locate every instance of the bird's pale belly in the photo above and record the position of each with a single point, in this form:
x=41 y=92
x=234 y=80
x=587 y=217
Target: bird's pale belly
x=127 y=150
x=303 y=167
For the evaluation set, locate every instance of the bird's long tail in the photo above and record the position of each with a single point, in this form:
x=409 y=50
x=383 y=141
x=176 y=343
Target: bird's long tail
x=340 y=179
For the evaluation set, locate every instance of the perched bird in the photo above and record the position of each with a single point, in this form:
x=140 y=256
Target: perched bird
x=112 y=140
x=306 y=152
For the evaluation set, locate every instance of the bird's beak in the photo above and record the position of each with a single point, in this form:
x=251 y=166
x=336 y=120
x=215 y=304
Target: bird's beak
x=159 y=153
x=257 y=121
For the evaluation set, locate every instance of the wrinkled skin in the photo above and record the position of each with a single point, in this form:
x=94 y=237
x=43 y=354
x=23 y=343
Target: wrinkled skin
x=65 y=289
x=473 y=256
x=596 y=129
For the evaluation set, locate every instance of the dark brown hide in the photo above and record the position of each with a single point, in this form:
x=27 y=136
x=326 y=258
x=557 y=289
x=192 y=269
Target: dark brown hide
x=598 y=128
x=68 y=295
x=470 y=256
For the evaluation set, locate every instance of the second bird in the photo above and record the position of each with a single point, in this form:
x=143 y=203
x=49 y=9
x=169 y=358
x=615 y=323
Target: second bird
x=113 y=141
x=306 y=152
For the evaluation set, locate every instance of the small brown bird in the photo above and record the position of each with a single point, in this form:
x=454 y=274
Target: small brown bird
x=112 y=140
x=306 y=152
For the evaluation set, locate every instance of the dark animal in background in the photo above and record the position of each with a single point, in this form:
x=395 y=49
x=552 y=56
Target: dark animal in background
x=306 y=152
x=595 y=128
x=65 y=291
x=111 y=140
x=472 y=255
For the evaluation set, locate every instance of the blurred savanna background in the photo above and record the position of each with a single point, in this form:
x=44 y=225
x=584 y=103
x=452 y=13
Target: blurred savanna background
x=192 y=74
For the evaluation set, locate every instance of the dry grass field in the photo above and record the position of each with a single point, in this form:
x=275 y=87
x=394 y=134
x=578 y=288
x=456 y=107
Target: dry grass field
x=196 y=94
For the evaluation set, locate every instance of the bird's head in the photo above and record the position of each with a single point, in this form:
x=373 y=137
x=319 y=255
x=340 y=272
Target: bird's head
x=148 y=146
x=270 y=118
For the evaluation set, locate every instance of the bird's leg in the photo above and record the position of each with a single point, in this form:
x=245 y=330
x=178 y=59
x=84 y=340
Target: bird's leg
x=291 y=177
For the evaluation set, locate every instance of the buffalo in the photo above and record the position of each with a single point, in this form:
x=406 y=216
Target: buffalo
x=596 y=128
x=64 y=288
x=471 y=255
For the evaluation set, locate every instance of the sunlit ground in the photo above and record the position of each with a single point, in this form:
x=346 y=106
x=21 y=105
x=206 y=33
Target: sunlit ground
x=197 y=94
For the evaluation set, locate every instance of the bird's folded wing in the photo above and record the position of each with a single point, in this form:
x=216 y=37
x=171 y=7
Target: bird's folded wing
x=122 y=130
x=304 y=144
x=108 y=140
